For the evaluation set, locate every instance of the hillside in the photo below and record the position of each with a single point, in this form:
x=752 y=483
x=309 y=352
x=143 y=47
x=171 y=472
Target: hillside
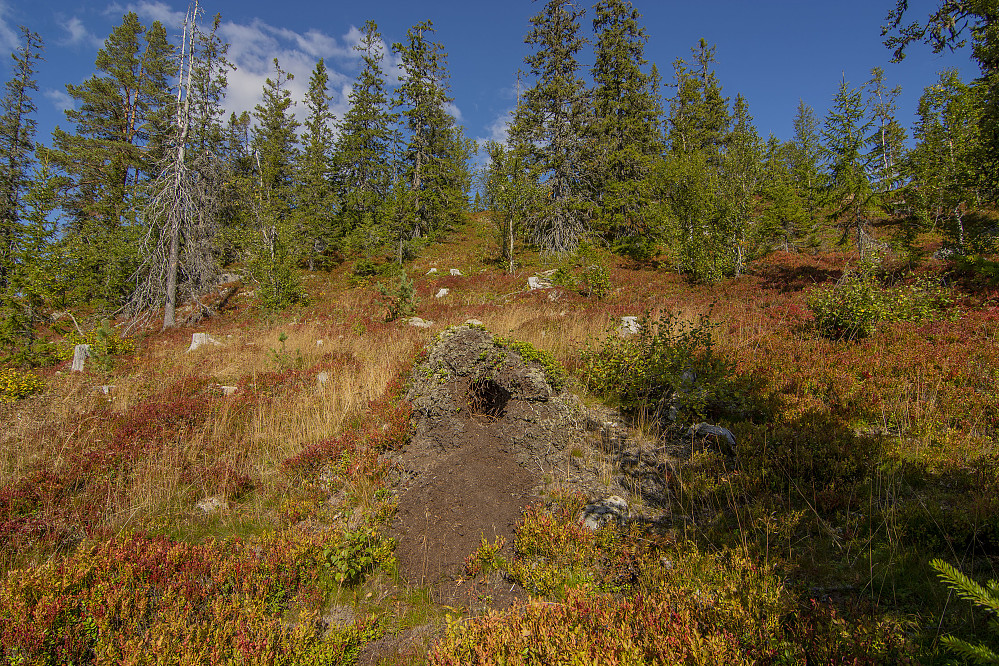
x=270 y=496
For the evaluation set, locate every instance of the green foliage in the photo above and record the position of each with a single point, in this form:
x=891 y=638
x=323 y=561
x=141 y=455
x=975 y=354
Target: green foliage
x=985 y=598
x=15 y=385
x=669 y=372
x=554 y=372
x=855 y=306
x=401 y=300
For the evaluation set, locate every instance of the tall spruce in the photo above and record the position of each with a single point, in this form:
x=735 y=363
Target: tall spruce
x=551 y=123
x=363 y=152
x=274 y=142
x=624 y=138
x=433 y=157
x=17 y=147
x=18 y=304
x=847 y=163
x=315 y=204
x=804 y=155
x=699 y=119
x=121 y=116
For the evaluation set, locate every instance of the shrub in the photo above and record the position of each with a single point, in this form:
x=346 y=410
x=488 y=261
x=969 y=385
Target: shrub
x=854 y=306
x=670 y=372
x=15 y=385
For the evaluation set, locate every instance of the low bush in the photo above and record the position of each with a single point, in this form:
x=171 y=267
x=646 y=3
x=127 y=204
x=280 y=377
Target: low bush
x=855 y=306
x=669 y=372
x=15 y=384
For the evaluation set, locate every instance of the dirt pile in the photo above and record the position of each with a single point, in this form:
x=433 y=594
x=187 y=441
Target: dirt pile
x=487 y=425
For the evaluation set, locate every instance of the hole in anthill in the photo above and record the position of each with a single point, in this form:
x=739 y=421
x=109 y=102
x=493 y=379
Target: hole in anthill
x=487 y=397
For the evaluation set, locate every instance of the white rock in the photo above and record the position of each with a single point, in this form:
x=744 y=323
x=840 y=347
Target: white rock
x=419 y=323
x=443 y=292
x=600 y=513
x=629 y=326
x=474 y=322
x=201 y=339
x=535 y=282
x=323 y=377
x=431 y=271
x=107 y=388
x=213 y=504
x=228 y=390
x=554 y=295
x=319 y=343
x=455 y=271
x=80 y=354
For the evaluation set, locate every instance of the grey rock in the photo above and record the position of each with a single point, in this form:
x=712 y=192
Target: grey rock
x=419 y=323
x=535 y=282
x=226 y=278
x=629 y=326
x=602 y=512
x=200 y=340
x=724 y=436
x=228 y=390
x=211 y=505
x=473 y=322
x=323 y=377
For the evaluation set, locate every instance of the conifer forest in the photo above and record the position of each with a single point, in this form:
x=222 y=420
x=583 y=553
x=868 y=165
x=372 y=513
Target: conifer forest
x=642 y=383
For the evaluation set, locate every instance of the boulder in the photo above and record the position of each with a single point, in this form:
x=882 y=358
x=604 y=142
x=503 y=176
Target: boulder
x=456 y=272
x=629 y=326
x=419 y=323
x=442 y=292
x=535 y=282
x=200 y=340
x=211 y=505
x=323 y=377
x=602 y=512
x=724 y=436
x=431 y=271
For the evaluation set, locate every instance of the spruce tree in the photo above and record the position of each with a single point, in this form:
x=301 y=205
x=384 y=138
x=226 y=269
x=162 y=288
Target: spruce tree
x=17 y=147
x=551 y=123
x=433 y=158
x=363 y=152
x=623 y=137
x=804 y=154
x=315 y=210
x=120 y=117
x=274 y=142
x=18 y=303
x=510 y=194
x=784 y=216
x=847 y=162
x=740 y=176
x=699 y=119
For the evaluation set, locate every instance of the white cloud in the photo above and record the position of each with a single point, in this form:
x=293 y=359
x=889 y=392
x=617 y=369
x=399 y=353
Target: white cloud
x=9 y=38
x=498 y=130
x=77 y=34
x=453 y=111
x=60 y=99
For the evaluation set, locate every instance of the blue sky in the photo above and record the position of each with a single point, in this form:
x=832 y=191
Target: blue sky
x=772 y=51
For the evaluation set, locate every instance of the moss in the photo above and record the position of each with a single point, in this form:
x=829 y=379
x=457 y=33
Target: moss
x=554 y=373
